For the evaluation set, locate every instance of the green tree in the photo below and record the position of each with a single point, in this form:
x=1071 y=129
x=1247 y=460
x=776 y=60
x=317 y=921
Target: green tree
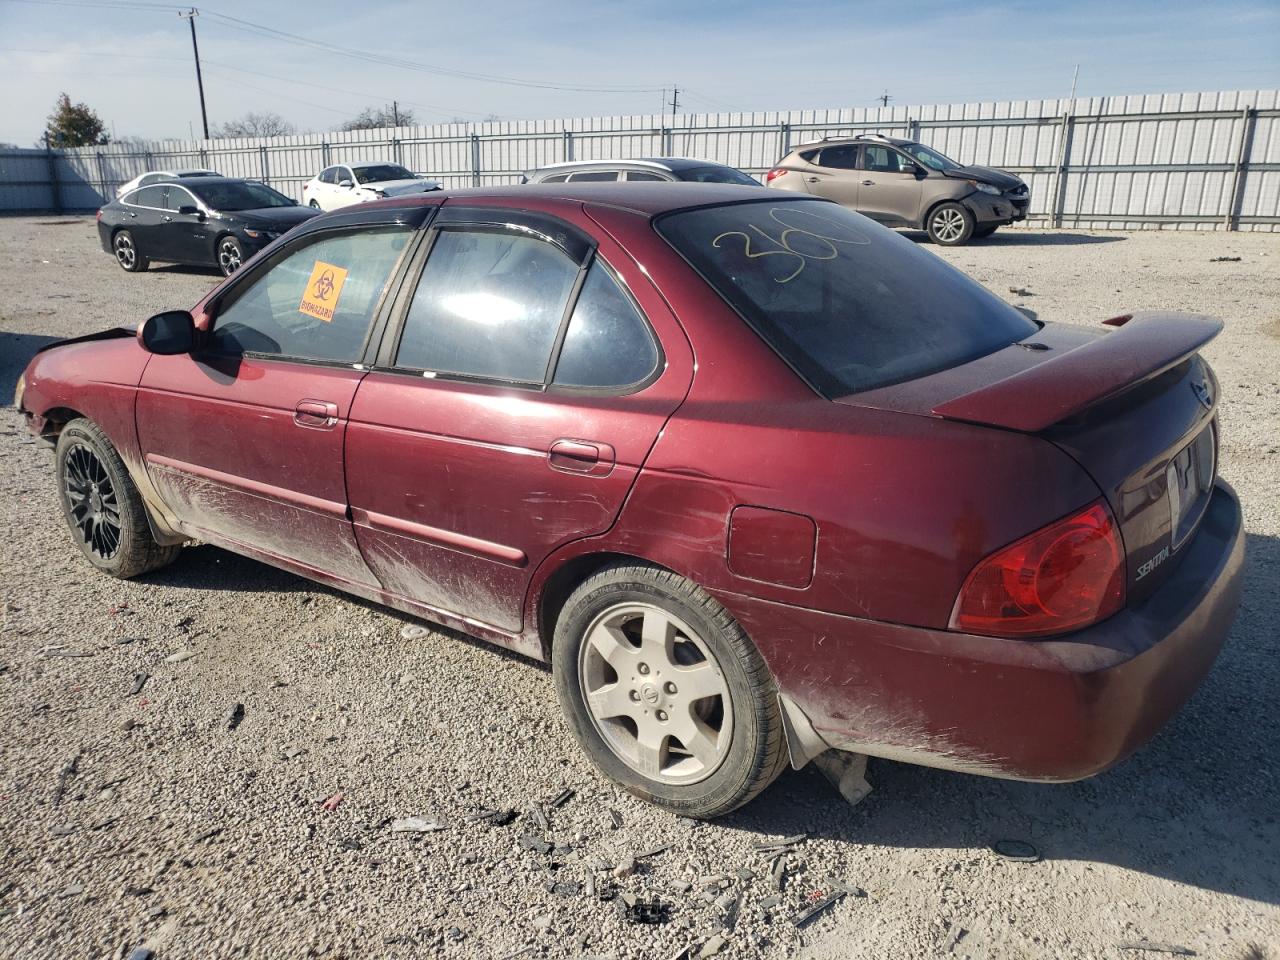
x=75 y=125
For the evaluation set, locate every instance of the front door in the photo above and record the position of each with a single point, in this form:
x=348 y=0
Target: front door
x=524 y=393
x=890 y=191
x=244 y=438
x=186 y=237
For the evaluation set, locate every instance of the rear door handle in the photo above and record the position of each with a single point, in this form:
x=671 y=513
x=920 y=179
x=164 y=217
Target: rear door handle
x=868 y=183
x=317 y=414
x=589 y=457
x=168 y=219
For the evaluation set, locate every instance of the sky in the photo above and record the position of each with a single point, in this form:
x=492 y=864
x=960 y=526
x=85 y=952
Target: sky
x=528 y=59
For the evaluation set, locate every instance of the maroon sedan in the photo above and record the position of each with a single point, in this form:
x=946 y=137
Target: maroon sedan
x=759 y=477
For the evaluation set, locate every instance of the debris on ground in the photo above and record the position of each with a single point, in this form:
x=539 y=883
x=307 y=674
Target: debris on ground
x=1223 y=260
x=847 y=773
x=411 y=631
x=712 y=946
x=139 y=681
x=332 y=803
x=1019 y=851
x=179 y=657
x=61 y=651
x=770 y=847
x=1021 y=292
x=647 y=911
x=957 y=934
x=142 y=953
x=291 y=753
x=653 y=851
x=536 y=844
x=65 y=774
x=616 y=817
x=823 y=902
x=495 y=818
x=234 y=716
x=415 y=825
x=539 y=817
x=1155 y=947
x=561 y=798
x=625 y=869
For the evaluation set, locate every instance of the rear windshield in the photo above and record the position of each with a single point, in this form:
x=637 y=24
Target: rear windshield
x=714 y=173
x=849 y=304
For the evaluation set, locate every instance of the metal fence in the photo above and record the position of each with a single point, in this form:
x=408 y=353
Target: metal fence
x=1184 y=161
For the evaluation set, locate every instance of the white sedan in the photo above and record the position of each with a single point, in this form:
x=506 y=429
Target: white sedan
x=157 y=176
x=345 y=184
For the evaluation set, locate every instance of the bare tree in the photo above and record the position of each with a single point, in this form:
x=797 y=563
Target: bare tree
x=374 y=118
x=256 y=125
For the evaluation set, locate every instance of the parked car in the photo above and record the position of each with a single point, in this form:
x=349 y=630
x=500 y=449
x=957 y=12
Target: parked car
x=902 y=183
x=344 y=184
x=658 y=169
x=211 y=221
x=883 y=512
x=159 y=176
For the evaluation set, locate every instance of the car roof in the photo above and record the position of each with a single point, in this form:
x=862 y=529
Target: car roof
x=853 y=138
x=646 y=199
x=660 y=163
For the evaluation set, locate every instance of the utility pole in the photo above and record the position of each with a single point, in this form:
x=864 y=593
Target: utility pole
x=1075 y=75
x=675 y=102
x=190 y=17
x=884 y=98
x=395 y=113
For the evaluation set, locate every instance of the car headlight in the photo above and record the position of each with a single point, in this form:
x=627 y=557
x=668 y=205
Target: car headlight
x=987 y=188
x=19 y=390
x=260 y=234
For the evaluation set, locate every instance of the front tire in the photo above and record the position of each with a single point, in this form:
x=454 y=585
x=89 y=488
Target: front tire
x=314 y=205
x=126 y=251
x=102 y=506
x=950 y=224
x=230 y=255
x=666 y=693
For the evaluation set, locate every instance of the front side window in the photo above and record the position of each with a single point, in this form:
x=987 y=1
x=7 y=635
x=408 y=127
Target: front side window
x=850 y=305
x=634 y=175
x=179 y=198
x=315 y=302
x=489 y=306
x=879 y=159
x=594 y=175
x=608 y=343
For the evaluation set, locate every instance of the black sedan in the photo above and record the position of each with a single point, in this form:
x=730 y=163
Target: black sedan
x=212 y=221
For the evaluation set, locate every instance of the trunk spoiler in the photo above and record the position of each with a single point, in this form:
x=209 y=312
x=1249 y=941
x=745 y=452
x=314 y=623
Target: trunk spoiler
x=1143 y=346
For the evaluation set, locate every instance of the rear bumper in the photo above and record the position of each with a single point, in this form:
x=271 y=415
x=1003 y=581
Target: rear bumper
x=1029 y=710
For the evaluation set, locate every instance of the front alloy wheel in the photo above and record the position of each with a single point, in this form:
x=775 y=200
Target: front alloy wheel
x=230 y=255
x=950 y=225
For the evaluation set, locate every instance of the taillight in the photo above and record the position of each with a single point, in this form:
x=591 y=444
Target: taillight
x=1066 y=576
x=774 y=174
x=99 y=216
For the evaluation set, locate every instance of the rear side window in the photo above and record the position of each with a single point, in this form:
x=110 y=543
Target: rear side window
x=315 y=302
x=608 y=343
x=843 y=157
x=555 y=178
x=489 y=306
x=847 y=303
x=635 y=175
x=593 y=175
x=150 y=197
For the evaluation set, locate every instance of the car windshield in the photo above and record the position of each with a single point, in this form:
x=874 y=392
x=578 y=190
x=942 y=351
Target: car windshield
x=714 y=173
x=239 y=196
x=382 y=172
x=930 y=158
x=850 y=305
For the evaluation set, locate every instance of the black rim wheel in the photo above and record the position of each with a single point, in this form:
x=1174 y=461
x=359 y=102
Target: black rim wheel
x=91 y=498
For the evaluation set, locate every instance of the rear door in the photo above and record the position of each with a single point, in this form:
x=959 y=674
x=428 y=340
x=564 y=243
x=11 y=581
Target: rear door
x=527 y=372
x=835 y=174
x=244 y=438
x=146 y=208
x=887 y=192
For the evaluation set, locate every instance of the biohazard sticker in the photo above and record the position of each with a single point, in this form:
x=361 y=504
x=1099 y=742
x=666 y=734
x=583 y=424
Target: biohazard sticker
x=320 y=298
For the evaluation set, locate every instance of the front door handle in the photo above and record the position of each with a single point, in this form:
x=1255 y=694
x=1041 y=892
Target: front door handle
x=588 y=457
x=168 y=219
x=814 y=179
x=868 y=183
x=317 y=414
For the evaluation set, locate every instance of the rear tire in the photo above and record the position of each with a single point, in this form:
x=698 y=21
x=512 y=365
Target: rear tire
x=102 y=507
x=950 y=224
x=980 y=232
x=642 y=656
x=126 y=251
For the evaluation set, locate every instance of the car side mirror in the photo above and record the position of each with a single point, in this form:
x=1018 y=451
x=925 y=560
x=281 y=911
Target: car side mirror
x=187 y=210
x=345 y=183
x=914 y=169
x=168 y=333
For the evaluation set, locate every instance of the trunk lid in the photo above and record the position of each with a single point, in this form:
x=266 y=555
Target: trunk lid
x=1135 y=407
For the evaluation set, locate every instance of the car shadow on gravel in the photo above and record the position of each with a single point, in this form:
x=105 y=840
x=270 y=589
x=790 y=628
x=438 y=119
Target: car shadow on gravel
x=16 y=351
x=1018 y=237
x=185 y=268
x=1196 y=806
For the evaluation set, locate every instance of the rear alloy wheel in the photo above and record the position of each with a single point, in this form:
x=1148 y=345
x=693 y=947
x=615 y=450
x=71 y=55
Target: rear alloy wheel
x=126 y=252
x=102 y=506
x=230 y=255
x=950 y=225
x=666 y=693
x=314 y=205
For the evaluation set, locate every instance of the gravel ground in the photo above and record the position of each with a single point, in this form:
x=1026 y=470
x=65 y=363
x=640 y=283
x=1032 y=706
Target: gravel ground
x=131 y=818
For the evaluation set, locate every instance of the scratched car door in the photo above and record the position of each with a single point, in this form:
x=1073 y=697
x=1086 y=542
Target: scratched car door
x=243 y=439
x=471 y=453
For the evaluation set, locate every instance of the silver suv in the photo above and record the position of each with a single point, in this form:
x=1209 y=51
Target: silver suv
x=660 y=169
x=902 y=183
